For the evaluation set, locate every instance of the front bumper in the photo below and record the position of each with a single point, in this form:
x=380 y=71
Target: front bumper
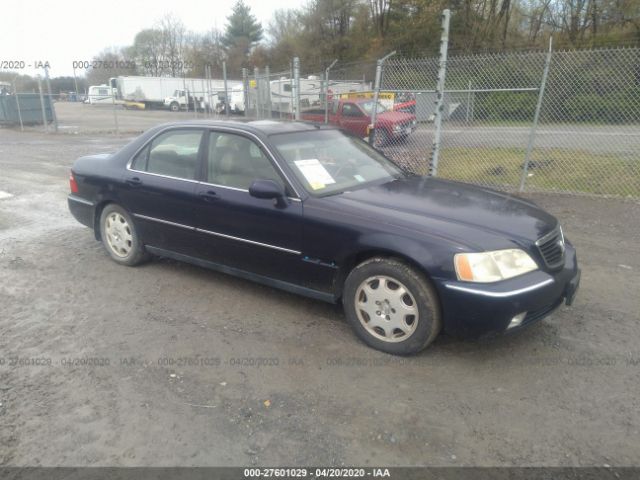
x=403 y=132
x=474 y=309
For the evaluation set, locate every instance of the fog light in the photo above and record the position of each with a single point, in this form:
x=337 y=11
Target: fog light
x=517 y=320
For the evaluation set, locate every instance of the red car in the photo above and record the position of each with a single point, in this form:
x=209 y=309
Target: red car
x=354 y=116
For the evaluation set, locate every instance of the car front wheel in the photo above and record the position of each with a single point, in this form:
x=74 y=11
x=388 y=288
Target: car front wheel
x=380 y=138
x=391 y=306
x=119 y=236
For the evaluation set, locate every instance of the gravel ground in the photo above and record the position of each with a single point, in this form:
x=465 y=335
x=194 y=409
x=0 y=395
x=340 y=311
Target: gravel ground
x=170 y=364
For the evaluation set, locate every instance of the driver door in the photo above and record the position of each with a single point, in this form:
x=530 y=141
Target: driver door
x=354 y=120
x=260 y=236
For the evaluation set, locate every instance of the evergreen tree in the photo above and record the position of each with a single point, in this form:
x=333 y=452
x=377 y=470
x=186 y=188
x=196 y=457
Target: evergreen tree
x=242 y=27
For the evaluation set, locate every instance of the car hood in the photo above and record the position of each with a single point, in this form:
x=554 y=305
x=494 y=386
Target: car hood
x=395 y=117
x=477 y=217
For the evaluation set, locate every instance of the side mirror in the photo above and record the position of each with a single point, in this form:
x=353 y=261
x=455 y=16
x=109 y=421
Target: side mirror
x=267 y=189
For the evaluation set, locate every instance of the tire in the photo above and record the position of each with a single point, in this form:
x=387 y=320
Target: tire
x=175 y=107
x=120 y=238
x=389 y=320
x=380 y=138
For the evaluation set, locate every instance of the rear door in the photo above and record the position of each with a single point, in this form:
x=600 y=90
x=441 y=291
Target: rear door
x=160 y=189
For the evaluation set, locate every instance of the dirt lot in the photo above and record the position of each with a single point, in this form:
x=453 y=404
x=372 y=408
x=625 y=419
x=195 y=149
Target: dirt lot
x=170 y=364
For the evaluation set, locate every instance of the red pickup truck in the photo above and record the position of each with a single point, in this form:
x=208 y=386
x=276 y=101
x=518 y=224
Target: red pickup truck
x=354 y=116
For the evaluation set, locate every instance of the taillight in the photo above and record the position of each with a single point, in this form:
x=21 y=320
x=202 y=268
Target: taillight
x=73 y=185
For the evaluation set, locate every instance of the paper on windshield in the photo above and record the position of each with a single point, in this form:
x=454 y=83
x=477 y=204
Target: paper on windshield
x=315 y=173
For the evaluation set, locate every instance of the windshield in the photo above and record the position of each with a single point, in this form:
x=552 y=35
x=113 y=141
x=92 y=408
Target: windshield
x=328 y=161
x=368 y=107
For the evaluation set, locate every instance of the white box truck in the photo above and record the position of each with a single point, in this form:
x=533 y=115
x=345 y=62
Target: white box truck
x=169 y=92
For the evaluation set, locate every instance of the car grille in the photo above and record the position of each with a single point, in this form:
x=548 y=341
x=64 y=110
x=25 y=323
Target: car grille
x=551 y=247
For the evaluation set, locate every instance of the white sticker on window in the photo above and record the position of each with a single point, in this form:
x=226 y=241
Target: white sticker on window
x=314 y=172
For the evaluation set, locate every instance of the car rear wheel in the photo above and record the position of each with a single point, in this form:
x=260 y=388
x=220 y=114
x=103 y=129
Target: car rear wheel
x=119 y=236
x=391 y=306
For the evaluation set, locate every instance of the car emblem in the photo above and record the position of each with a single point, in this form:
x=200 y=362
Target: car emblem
x=561 y=244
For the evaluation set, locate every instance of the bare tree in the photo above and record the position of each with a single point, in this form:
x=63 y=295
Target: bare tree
x=380 y=11
x=173 y=41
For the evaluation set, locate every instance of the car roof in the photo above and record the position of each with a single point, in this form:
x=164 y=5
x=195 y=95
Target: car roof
x=265 y=127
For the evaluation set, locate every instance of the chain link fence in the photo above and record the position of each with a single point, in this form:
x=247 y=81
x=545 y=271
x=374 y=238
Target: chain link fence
x=509 y=123
x=588 y=137
x=565 y=121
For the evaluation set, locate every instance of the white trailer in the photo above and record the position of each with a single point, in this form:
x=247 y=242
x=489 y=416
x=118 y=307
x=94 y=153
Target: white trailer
x=312 y=90
x=100 y=94
x=208 y=98
x=281 y=93
x=154 y=91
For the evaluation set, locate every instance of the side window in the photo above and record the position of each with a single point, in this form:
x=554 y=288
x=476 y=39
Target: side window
x=236 y=161
x=140 y=160
x=173 y=153
x=286 y=87
x=334 y=107
x=350 y=110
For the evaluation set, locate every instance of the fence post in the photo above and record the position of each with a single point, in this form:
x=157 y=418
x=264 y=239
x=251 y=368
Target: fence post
x=536 y=117
x=442 y=73
x=256 y=74
x=207 y=93
x=267 y=74
x=326 y=91
x=292 y=89
x=468 y=102
x=115 y=111
x=376 y=95
x=226 y=90
x=245 y=88
x=280 y=96
x=15 y=93
x=44 y=113
x=195 y=99
x=296 y=88
x=75 y=83
x=53 y=110
x=186 y=94
x=212 y=107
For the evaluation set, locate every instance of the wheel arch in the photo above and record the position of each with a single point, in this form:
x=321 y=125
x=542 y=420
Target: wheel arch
x=100 y=206
x=414 y=255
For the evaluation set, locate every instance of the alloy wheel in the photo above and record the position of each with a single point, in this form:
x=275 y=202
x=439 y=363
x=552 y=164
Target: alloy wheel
x=118 y=233
x=386 y=308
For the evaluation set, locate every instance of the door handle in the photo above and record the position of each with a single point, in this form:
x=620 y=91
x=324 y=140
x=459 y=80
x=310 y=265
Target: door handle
x=134 y=181
x=208 y=195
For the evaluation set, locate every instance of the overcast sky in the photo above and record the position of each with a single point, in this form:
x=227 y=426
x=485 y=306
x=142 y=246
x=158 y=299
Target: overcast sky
x=67 y=30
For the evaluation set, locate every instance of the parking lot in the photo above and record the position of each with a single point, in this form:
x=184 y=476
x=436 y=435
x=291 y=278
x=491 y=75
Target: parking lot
x=171 y=364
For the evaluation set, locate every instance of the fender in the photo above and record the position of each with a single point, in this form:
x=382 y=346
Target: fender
x=429 y=258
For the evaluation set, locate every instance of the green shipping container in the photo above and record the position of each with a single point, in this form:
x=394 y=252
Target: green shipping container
x=30 y=109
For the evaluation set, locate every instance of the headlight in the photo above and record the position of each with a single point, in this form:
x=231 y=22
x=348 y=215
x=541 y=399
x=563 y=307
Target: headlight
x=488 y=267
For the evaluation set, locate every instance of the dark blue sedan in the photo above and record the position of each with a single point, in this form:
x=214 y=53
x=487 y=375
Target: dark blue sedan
x=314 y=211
